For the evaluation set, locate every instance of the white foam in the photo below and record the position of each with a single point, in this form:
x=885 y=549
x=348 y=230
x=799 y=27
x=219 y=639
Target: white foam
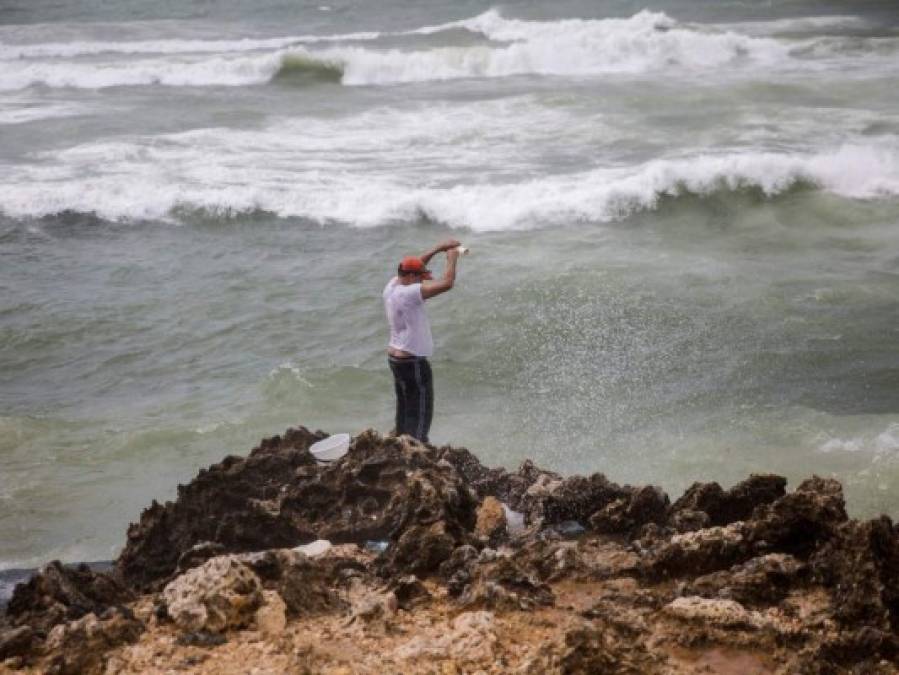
x=216 y=71
x=879 y=445
x=225 y=173
x=644 y=43
x=170 y=46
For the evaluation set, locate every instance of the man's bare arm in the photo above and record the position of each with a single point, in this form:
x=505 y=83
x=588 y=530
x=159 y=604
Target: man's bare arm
x=431 y=288
x=443 y=246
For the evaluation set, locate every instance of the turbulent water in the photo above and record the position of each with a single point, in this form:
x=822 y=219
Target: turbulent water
x=684 y=218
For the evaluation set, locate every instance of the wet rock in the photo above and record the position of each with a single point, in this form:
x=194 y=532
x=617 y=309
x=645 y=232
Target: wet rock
x=79 y=647
x=222 y=593
x=761 y=581
x=625 y=515
x=59 y=594
x=738 y=503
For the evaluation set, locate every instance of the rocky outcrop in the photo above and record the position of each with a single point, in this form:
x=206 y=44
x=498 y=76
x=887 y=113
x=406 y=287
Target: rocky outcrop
x=419 y=562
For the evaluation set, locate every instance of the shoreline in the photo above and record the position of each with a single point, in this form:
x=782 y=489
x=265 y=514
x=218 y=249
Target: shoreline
x=598 y=577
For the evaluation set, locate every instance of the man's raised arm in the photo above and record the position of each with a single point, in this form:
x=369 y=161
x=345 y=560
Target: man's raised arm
x=431 y=288
x=444 y=246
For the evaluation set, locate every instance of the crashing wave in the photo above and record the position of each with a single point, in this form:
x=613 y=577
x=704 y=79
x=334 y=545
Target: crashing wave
x=599 y=195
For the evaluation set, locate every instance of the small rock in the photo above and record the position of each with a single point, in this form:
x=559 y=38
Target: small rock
x=722 y=613
x=491 y=520
x=222 y=593
x=271 y=618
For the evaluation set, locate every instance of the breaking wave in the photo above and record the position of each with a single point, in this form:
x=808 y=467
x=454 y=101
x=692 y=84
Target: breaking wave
x=599 y=195
x=647 y=42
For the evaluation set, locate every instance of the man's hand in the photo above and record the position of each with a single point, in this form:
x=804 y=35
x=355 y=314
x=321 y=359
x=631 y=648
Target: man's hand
x=449 y=244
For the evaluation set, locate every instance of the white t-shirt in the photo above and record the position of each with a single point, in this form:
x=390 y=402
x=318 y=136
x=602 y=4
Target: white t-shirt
x=409 y=326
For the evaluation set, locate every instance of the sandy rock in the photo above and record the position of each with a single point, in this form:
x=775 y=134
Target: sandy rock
x=409 y=591
x=271 y=617
x=471 y=639
x=491 y=521
x=720 y=613
x=222 y=593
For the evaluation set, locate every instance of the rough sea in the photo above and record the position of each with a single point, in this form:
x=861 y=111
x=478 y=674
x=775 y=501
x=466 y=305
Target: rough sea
x=683 y=217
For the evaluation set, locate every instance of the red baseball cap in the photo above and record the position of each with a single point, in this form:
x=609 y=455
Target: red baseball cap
x=412 y=264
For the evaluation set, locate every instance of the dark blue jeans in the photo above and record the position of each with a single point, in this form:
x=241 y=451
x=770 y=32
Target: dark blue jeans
x=414 y=395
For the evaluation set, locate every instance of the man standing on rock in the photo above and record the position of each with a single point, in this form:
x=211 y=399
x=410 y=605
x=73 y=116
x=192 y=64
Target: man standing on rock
x=410 y=337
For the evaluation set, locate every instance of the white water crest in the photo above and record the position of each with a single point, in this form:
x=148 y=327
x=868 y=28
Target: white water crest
x=216 y=173
x=646 y=43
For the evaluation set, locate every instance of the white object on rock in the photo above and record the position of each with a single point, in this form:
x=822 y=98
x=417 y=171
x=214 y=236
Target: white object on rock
x=314 y=548
x=331 y=449
x=221 y=593
x=514 y=520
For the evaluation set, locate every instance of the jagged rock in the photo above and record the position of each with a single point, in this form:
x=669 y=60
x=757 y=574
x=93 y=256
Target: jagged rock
x=699 y=552
x=271 y=617
x=16 y=642
x=490 y=525
x=201 y=638
x=761 y=581
x=278 y=497
x=222 y=593
x=79 y=647
x=738 y=503
x=224 y=504
x=459 y=569
x=859 y=564
x=801 y=521
x=645 y=505
x=59 y=594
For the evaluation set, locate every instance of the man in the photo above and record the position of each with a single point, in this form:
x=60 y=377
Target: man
x=410 y=342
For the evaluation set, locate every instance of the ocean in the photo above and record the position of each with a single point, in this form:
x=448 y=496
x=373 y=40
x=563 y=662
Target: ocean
x=683 y=218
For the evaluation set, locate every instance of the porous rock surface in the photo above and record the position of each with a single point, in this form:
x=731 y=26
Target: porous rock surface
x=603 y=578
